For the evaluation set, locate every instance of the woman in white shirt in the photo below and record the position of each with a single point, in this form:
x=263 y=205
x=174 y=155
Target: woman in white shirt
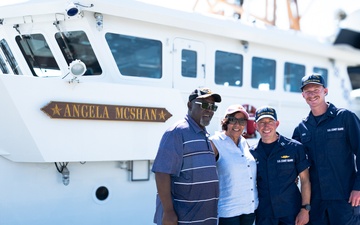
x=236 y=170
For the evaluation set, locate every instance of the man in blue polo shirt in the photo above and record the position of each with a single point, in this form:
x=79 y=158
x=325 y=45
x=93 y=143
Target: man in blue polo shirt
x=185 y=167
x=331 y=137
x=280 y=161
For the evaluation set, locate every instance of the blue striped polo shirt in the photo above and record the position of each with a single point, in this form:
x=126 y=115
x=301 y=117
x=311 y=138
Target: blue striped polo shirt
x=186 y=154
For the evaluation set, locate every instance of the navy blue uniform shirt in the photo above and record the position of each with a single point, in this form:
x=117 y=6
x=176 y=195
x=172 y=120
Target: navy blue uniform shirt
x=279 y=195
x=331 y=144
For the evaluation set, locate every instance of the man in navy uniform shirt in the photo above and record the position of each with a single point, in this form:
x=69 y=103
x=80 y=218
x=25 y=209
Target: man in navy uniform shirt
x=280 y=161
x=331 y=137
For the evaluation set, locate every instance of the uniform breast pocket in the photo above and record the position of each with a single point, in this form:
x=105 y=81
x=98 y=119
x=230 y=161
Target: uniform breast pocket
x=334 y=143
x=285 y=169
x=335 y=135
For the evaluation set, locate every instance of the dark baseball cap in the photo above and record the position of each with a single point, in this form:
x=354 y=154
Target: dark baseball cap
x=204 y=93
x=265 y=112
x=312 y=79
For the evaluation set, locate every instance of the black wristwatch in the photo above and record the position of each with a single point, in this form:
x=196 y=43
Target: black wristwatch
x=307 y=207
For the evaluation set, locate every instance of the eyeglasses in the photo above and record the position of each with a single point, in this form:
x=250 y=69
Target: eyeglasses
x=234 y=120
x=207 y=106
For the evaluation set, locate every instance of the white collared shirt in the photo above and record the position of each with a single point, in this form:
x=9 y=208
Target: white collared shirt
x=237 y=177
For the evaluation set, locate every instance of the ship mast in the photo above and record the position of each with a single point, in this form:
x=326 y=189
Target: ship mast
x=293 y=14
x=269 y=18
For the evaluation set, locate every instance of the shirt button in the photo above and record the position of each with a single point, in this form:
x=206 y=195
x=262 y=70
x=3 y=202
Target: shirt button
x=250 y=177
x=248 y=165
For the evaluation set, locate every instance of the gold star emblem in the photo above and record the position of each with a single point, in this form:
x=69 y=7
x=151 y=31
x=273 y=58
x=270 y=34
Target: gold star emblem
x=162 y=115
x=56 y=110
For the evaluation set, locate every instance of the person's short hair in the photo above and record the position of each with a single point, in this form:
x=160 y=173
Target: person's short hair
x=225 y=121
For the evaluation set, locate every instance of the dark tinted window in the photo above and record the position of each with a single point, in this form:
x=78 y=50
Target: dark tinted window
x=135 y=56
x=263 y=73
x=228 y=69
x=3 y=66
x=38 y=55
x=292 y=77
x=75 y=45
x=6 y=55
x=188 y=63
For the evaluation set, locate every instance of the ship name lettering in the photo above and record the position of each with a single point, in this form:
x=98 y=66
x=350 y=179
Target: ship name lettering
x=132 y=113
x=86 y=111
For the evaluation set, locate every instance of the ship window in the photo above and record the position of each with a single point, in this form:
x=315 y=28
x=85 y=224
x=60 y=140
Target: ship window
x=263 y=73
x=323 y=72
x=292 y=77
x=3 y=67
x=9 y=57
x=75 y=45
x=228 y=69
x=188 y=63
x=136 y=57
x=38 y=55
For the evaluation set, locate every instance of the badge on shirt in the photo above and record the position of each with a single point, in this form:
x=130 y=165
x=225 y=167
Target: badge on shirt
x=285 y=159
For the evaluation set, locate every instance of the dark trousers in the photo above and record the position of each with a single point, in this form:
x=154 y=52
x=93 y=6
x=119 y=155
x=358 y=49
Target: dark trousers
x=289 y=220
x=244 y=219
x=330 y=212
